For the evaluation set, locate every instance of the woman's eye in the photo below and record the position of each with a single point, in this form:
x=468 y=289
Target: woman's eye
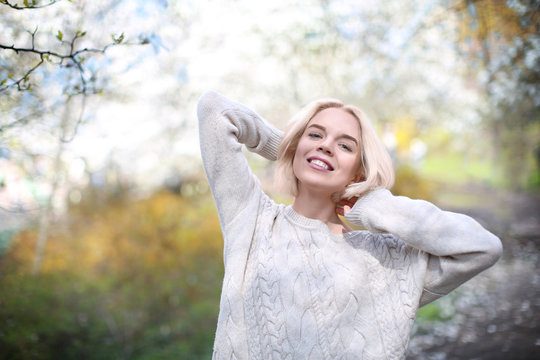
x=346 y=147
x=315 y=135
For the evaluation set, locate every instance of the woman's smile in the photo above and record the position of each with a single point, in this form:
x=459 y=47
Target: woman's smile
x=320 y=164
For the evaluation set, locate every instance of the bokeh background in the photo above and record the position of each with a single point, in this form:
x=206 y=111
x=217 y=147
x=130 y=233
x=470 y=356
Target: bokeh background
x=110 y=246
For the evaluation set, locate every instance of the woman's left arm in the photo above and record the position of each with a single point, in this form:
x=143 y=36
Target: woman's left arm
x=459 y=247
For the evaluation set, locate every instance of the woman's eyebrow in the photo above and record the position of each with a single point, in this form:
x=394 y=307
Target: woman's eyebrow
x=346 y=136
x=350 y=138
x=317 y=126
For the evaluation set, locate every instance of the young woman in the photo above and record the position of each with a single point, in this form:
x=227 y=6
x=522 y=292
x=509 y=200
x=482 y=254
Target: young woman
x=299 y=283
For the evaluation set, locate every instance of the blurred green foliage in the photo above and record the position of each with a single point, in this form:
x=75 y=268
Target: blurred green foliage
x=453 y=168
x=431 y=312
x=120 y=280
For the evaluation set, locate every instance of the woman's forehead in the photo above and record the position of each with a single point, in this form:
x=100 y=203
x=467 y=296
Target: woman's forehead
x=336 y=119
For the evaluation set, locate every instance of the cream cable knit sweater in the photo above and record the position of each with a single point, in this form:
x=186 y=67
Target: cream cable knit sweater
x=294 y=290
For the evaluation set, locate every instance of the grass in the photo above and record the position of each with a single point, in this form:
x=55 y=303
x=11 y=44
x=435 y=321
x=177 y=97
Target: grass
x=456 y=168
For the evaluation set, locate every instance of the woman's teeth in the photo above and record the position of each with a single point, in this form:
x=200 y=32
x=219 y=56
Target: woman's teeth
x=320 y=163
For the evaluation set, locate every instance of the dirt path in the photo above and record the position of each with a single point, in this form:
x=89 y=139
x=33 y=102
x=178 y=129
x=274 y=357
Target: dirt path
x=497 y=314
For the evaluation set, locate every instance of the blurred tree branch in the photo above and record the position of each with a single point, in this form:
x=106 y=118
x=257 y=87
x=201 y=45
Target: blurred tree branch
x=33 y=4
x=22 y=120
x=71 y=59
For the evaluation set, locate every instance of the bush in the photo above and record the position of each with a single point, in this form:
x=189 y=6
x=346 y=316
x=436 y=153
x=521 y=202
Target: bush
x=130 y=280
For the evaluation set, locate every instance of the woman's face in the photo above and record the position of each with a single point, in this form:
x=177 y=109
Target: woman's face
x=328 y=154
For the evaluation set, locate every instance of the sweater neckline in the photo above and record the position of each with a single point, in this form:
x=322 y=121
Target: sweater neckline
x=313 y=224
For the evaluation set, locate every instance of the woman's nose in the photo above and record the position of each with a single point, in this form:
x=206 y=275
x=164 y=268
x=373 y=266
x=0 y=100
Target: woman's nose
x=324 y=147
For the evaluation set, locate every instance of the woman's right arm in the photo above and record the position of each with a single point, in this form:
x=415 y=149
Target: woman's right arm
x=224 y=125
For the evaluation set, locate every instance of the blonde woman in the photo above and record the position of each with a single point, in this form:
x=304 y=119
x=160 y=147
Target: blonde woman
x=299 y=283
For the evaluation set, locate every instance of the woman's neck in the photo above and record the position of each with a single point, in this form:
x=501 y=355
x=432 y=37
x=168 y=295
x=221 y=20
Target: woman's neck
x=323 y=208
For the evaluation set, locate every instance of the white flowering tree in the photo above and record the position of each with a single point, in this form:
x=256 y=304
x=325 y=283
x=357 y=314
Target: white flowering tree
x=50 y=69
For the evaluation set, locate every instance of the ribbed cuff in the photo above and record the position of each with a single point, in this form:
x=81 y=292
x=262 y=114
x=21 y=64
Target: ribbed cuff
x=359 y=213
x=270 y=148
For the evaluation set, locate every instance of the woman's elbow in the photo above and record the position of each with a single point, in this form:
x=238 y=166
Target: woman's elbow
x=208 y=102
x=492 y=251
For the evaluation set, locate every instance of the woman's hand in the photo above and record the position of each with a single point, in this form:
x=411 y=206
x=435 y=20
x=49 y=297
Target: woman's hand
x=345 y=205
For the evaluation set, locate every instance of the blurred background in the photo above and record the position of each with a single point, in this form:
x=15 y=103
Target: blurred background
x=110 y=245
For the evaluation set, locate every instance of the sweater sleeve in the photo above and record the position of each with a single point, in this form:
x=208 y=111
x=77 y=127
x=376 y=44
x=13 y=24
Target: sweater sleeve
x=458 y=247
x=224 y=125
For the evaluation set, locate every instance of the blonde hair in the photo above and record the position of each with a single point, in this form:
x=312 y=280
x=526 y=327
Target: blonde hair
x=375 y=169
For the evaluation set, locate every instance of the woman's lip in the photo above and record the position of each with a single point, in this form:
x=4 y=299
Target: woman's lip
x=317 y=167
